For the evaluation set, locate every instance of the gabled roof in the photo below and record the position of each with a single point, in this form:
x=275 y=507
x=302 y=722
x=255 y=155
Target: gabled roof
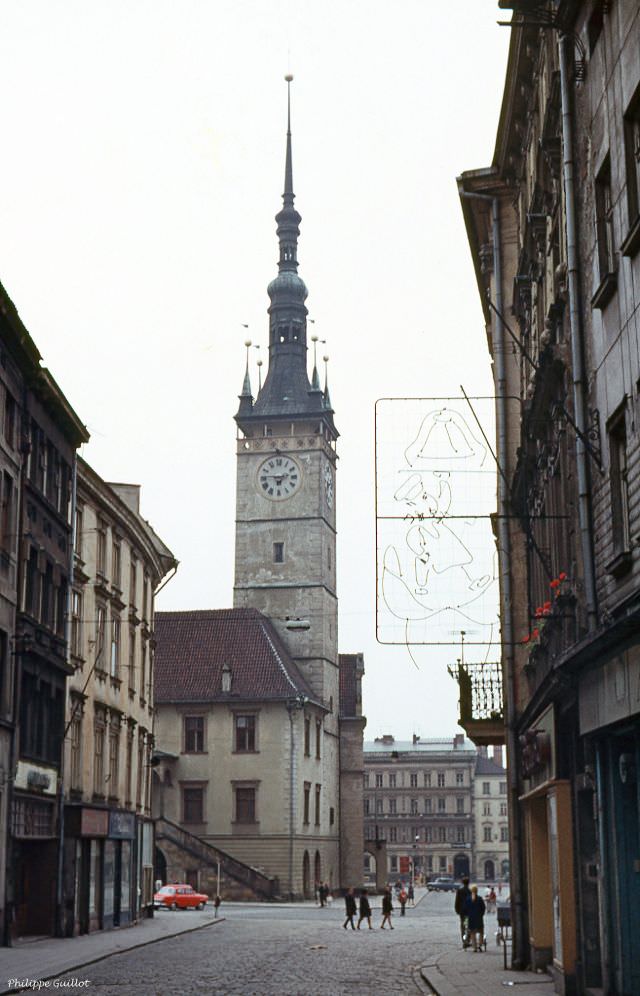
x=193 y=647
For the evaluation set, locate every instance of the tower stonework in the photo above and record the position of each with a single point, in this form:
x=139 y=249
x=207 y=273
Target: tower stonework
x=285 y=558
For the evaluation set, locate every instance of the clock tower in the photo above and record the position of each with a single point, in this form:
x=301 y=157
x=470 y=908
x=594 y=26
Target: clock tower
x=285 y=522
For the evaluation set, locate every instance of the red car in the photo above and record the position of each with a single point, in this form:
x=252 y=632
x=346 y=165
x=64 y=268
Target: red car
x=179 y=896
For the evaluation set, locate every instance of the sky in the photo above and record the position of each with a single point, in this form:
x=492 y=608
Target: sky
x=142 y=165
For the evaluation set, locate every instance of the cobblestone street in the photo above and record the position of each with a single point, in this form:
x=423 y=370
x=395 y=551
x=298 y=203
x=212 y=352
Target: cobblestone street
x=285 y=951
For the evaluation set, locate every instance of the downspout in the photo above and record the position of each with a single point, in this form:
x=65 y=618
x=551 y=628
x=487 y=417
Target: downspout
x=577 y=346
x=60 y=921
x=516 y=873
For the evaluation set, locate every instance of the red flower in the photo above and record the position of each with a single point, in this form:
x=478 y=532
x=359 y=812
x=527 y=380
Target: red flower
x=546 y=606
x=555 y=583
x=562 y=576
x=538 y=613
x=525 y=639
x=536 y=632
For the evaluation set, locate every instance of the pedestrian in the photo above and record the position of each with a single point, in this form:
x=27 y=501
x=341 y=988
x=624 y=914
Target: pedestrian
x=365 y=909
x=350 y=908
x=403 y=901
x=410 y=894
x=216 y=905
x=316 y=892
x=462 y=894
x=327 y=894
x=475 y=910
x=387 y=908
x=322 y=894
x=491 y=903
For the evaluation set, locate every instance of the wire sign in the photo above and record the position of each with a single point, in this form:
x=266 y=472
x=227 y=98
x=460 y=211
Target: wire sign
x=436 y=557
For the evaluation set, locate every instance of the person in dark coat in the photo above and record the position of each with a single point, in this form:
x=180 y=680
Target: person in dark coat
x=350 y=908
x=387 y=908
x=365 y=909
x=322 y=894
x=462 y=894
x=475 y=910
x=403 y=901
x=410 y=894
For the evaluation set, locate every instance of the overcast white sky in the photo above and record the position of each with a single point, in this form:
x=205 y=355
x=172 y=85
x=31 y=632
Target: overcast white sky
x=141 y=168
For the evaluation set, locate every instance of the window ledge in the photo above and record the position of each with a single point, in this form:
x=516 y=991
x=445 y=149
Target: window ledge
x=631 y=244
x=620 y=564
x=605 y=291
x=245 y=751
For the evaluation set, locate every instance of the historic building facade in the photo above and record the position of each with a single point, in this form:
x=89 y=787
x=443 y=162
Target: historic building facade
x=274 y=802
x=553 y=227
x=491 y=817
x=41 y=434
x=418 y=798
x=119 y=563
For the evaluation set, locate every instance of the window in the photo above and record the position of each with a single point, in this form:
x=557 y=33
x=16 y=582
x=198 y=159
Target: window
x=393 y=835
x=32 y=587
x=143 y=665
x=392 y=807
x=76 y=623
x=378 y=781
x=442 y=835
x=632 y=161
x=392 y=780
x=503 y=788
x=132 y=659
x=7 y=539
x=332 y=816
x=379 y=806
x=442 y=863
x=145 y=597
x=366 y=807
x=194 y=734
x=486 y=834
x=442 y=805
x=618 y=484
x=116 y=555
x=245 y=735
x=604 y=235
x=441 y=779
x=459 y=777
x=486 y=788
x=486 y=809
x=307 y=793
x=503 y=809
x=504 y=834
x=245 y=804
x=413 y=780
x=9 y=419
x=128 y=770
x=101 y=549
x=459 y=805
x=278 y=553
x=98 y=754
x=318 y=738
x=460 y=835
x=427 y=779
x=394 y=862
x=192 y=804
x=427 y=805
x=140 y=770
x=307 y=737
x=428 y=835
x=133 y=580
x=114 y=756
x=413 y=806
x=366 y=779
x=115 y=648
x=75 y=733
x=46 y=597
x=4 y=672
x=77 y=537
x=317 y=813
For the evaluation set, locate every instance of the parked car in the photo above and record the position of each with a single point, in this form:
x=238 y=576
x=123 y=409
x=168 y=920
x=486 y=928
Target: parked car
x=179 y=896
x=444 y=884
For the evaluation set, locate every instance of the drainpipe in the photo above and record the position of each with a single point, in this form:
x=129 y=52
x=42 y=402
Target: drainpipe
x=577 y=347
x=516 y=876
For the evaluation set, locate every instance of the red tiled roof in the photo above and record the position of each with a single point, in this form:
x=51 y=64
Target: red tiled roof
x=192 y=647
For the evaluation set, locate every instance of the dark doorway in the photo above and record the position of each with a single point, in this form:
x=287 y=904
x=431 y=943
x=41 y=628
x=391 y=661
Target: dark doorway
x=461 y=866
x=306 y=875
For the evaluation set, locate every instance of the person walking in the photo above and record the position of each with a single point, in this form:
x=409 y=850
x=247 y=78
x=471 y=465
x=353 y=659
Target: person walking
x=387 y=908
x=475 y=910
x=216 y=905
x=365 y=909
x=322 y=894
x=410 y=894
x=462 y=894
x=403 y=901
x=350 y=908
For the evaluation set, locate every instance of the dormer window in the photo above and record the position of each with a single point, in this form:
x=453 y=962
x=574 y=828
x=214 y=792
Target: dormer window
x=226 y=679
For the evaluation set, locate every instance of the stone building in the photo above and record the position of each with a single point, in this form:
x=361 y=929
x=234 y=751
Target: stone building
x=553 y=226
x=418 y=798
x=285 y=582
x=352 y=724
x=490 y=807
x=41 y=433
x=119 y=563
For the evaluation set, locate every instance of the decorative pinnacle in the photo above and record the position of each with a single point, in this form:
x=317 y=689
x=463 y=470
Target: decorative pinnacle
x=288 y=170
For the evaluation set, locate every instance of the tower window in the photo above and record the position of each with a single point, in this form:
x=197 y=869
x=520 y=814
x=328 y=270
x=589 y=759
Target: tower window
x=278 y=553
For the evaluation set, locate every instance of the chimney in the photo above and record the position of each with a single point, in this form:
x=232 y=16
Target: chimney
x=415 y=739
x=458 y=741
x=497 y=755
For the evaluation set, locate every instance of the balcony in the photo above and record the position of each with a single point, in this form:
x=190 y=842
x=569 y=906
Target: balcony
x=481 y=709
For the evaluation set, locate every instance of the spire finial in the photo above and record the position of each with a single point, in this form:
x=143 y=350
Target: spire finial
x=327 y=399
x=288 y=169
x=246 y=398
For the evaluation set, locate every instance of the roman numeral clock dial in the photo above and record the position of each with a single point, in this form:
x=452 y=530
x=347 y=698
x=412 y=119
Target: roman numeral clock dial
x=278 y=477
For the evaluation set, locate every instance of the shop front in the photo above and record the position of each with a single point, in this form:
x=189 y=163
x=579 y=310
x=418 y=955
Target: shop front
x=34 y=850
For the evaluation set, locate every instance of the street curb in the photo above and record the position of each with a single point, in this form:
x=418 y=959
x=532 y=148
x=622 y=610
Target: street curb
x=119 y=951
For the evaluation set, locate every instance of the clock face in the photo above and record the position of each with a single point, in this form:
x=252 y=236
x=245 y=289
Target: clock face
x=278 y=477
x=328 y=484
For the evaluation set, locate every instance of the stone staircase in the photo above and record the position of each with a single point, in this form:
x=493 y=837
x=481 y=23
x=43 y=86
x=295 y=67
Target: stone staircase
x=184 y=852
